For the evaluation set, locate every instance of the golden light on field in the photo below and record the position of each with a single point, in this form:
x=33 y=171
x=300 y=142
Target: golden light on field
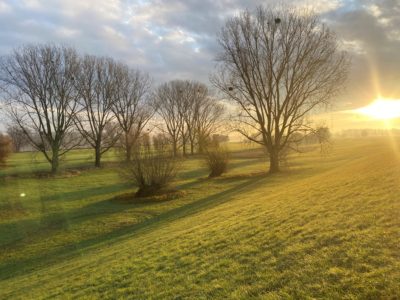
x=383 y=109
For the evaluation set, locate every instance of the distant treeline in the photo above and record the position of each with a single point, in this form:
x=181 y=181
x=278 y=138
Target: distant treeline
x=367 y=132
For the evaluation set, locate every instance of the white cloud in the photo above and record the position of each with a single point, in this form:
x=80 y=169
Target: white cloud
x=32 y=4
x=4 y=7
x=67 y=32
x=354 y=46
x=321 y=6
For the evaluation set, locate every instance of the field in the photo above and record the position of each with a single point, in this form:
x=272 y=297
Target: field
x=328 y=226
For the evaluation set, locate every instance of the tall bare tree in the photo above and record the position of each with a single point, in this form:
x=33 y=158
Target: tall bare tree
x=167 y=101
x=201 y=114
x=97 y=87
x=207 y=121
x=278 y=65
x=39 y=85
x=193 y=94
x=190 y=115
x=131 y=106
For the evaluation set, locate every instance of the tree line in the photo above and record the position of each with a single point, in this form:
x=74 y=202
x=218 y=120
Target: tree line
x=276 y=65
x=56 y=99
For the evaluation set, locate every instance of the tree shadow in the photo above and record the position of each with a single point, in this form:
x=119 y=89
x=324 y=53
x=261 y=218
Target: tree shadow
x=202 y=175
x=91 y=192
x=12 y=269
x=53 y=219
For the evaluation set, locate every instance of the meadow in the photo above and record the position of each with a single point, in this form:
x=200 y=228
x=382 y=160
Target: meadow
x=327 y=226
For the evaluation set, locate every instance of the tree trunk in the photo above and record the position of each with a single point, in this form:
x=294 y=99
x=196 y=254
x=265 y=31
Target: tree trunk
x=128 y=153
x=191 y=147
x=97 y=162
x=128 y=148
x=202 y=142
x=184 y=147
x=273 y=161
x=174 y=147
x=54 y=162
x=201 y=148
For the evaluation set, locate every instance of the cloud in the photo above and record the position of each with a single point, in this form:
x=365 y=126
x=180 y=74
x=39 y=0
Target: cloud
x=177 y=38
x=372 y=29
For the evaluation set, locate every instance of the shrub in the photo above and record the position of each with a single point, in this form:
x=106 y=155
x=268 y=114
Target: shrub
x=5 y=148
x=217 y=160
x=151 y=170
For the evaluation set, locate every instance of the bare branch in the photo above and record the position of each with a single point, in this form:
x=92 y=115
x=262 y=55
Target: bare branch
x=38 y=83
x=278 y=73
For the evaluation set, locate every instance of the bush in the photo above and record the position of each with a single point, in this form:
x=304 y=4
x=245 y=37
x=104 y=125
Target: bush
x=217 y=161
x=5 y=148
x=151 y=170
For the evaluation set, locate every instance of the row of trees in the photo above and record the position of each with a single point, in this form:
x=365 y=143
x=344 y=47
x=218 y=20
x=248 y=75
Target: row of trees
x=276 y=65
x=56 y=100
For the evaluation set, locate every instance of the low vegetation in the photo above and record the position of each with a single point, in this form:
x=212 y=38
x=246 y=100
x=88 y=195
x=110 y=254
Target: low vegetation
x=217 y=159
x=151 y=170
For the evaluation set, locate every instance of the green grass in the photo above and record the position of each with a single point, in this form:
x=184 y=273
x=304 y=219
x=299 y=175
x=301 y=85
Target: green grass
x=326 y=227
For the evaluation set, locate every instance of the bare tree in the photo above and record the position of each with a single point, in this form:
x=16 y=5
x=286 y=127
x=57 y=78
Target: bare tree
x=323 y=136
x=186 y=105
x=18 y=137
x=278 y=65
x=131 y=106
x=97 y=88
x=160 y=142
x=38 y=83
x=167 y=101
x=5 y=148
x=192 y=94
x=189 y=113
x=209 y=113
x=200 y=113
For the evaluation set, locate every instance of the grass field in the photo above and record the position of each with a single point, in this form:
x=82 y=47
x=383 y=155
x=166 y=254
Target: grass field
x=326 y=227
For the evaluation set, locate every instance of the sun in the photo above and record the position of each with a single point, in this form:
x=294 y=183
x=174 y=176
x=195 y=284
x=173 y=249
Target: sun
x=382 y=109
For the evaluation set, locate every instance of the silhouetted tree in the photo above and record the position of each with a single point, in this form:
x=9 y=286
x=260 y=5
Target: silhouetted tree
x=323 y=135
x=38 y=83
x=160 y=142
x=208 y=115
x=97 y=87
x=167 y=101
x=189 y=114
x=18 y=137
x=277 y=65
x=131 y=106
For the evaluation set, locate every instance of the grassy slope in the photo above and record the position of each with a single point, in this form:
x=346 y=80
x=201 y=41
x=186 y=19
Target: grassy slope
x=326 y=228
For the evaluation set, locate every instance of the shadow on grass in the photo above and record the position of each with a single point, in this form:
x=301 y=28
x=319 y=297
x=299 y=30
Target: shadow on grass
x=204 y=172
x=14 y=232
x=91 y=192
x=67 y=252
x=42 y=169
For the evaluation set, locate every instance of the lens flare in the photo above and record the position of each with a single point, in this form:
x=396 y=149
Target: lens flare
x=382 y=109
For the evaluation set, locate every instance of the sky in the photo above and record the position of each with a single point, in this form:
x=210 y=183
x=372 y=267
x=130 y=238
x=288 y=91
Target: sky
x=174 y=39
